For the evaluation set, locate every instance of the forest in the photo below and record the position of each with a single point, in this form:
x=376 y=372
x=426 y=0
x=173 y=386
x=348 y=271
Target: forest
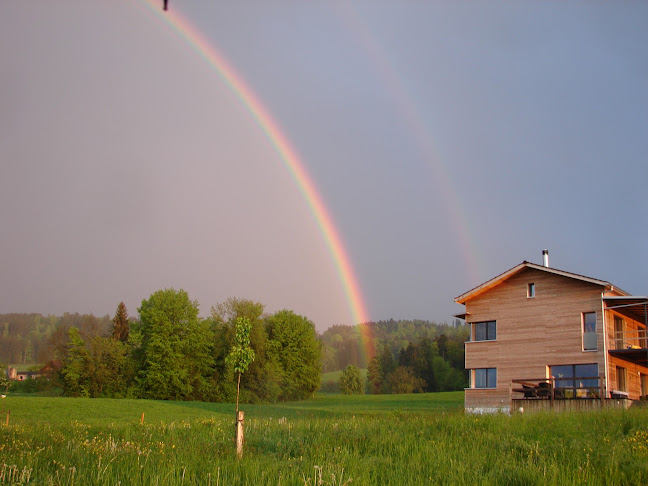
x=184 y=356
x=409 y=355
x=170 y=353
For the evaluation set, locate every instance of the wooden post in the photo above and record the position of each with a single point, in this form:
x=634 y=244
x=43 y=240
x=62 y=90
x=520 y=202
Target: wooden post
x=7 y=421
x=552 y=392
x=239 y=433
x=142 y=419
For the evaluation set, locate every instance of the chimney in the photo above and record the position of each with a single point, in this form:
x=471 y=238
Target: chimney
x=545 y=258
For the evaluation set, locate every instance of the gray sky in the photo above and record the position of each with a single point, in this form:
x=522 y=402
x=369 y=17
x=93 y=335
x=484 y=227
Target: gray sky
x=450 y=140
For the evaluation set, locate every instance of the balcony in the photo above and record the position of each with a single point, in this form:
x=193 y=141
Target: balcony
x=564 y=394
x=564 y=388
x=630 y=346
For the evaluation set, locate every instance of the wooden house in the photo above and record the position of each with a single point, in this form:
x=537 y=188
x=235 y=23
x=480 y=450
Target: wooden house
x=542 y=336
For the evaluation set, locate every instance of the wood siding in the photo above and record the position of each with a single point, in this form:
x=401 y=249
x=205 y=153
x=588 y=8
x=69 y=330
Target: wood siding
x=633 y=371
x=532 y=333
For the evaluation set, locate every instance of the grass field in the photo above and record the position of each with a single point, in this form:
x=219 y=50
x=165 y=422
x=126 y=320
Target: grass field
x=329 y=440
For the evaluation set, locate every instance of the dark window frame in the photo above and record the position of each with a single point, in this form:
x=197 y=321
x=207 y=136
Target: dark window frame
x=485 y=331
x=489 y=378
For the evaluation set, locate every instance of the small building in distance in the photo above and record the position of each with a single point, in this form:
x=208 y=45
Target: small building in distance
x=545 y=336
x=14 y=374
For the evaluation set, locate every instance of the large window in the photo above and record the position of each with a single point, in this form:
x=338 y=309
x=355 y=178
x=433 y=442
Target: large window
x=579 y=380
x=589 y=331
x=485 y=331
x=485 y=378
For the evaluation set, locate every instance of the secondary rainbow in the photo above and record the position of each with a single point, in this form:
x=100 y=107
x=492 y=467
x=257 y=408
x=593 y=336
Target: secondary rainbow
x=411 y=116
x=287 y=154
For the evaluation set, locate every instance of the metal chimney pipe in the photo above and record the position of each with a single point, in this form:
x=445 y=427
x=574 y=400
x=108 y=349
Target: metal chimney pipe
x=545 y=258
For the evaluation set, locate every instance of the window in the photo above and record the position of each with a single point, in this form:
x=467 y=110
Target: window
x=485 y=378
x=589 y=331
x=619 y=327
x=621 y=379
x=531 y=290
x=644 y=385
x=485 y=331
x=572 y=380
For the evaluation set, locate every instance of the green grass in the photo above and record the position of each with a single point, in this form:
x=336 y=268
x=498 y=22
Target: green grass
x=330 y=440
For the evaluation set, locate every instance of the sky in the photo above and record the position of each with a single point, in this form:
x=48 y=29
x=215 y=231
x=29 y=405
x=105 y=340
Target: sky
x=447 y=141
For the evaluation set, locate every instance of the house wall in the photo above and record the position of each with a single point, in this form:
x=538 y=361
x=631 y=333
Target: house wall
x=532 y=333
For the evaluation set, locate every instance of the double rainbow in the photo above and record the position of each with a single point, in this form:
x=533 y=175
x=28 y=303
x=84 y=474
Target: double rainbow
x=288 y=155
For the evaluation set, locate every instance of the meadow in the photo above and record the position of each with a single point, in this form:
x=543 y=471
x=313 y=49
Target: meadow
x=328 y=440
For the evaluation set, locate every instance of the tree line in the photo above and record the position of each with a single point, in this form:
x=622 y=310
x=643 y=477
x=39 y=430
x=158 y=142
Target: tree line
x=411 y=356
x=26 y=338
x=170 y=353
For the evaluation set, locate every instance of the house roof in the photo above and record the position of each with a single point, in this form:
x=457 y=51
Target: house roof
x=524 y=265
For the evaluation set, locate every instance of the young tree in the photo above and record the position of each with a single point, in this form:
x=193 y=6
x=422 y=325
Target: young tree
x=242 y=354
x=120 y=324
x=351 y=381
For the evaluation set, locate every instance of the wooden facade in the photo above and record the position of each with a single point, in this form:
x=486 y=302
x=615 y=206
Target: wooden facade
x=546 y=321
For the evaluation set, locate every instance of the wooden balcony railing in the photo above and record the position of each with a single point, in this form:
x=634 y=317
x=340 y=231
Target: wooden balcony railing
x=636 y=339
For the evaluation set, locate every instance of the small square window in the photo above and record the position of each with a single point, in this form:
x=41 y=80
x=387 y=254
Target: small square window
x=485 y=378
x=486 y=331
x=531 y=290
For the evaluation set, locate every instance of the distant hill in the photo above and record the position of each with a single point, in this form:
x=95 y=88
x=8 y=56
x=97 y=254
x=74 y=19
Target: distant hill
x=27 y=338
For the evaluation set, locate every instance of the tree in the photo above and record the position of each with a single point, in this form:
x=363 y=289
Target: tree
x=75 y=381
x=120 y=324
x=375 y=375
x=174 y=345
x=351 y=381
x=403 y=380
x=242 y=354
x=108 y=368
x=294 y=346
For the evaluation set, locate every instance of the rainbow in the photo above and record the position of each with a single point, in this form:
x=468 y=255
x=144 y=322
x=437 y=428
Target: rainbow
x=288 y=155
x=411 y=117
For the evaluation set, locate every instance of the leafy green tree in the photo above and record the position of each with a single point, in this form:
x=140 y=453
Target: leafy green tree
x=375 y=375
x=262 y=381
x=351 y=381
x=241 y=354
x=403 y=380
x=4 y=383
x=108 y=368
x=229 y=311
x=387 y=366
x=174 y=345
x=120 y=324
x=74 y=378
x=294 y=346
